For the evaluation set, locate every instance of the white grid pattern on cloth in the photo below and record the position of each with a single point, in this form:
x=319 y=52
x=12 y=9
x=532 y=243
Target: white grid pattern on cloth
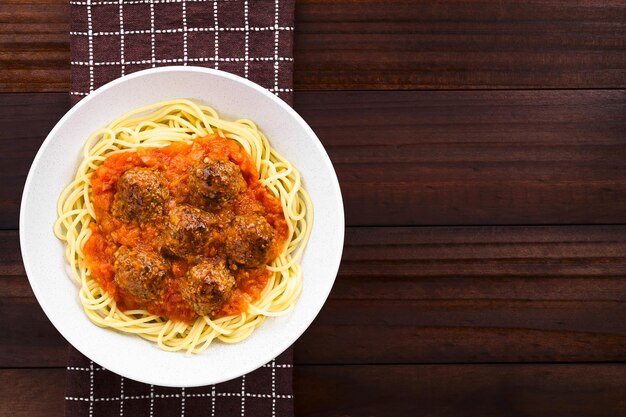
x=185 y=30
x=243 y=395
x=272 y=90
x=145 y=397
x=216 y=28
x=151 y=400
x=91 y=397
x=272 y=364
x=121 y=13
x=246 y=39
x=91 y=62
x=152 y=35
x=185 y=33
x=182 y=30
x=182 y=402
x=90 y=40
x=111 y=2
x=122 y=397
x=165 y=61
x=212 y=400
x=276 y=37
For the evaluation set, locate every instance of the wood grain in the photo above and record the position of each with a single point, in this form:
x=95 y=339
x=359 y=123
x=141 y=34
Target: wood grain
x=593 y=390
x=32 y=392
x=417 y=295
x=463 y=157
x=26 y=119
x=426 y=158
x=444 y=321
x=34 y=45
x=461 y=390
x=375 y=44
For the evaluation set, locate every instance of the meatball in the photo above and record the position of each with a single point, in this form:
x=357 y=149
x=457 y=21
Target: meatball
x=187 y=231
x=141 y=274
x=141 y=195
x=207 y=286
x=248 y=241
x=214 y=184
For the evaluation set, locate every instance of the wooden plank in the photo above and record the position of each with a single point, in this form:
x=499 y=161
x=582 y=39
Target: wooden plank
x=461 y=390
x=379 y=44
x=30 y=338
x=593 y=390
x=426 y=158
x=413 y=332
x=376 y=44
x=27 y=120
x=34 y=45
x=441 y=158
x=32 y=392
x=433 y=295
x=377 y=331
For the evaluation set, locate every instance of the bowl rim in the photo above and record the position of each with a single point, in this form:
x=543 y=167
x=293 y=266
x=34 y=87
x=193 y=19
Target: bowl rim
x=278 y=347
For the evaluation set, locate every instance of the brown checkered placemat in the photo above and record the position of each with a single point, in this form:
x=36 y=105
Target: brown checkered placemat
x=109 y=39
x=94 y=391
x=253 y=39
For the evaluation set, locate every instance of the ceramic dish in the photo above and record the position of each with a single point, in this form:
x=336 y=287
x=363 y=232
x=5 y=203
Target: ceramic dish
x=55 y=164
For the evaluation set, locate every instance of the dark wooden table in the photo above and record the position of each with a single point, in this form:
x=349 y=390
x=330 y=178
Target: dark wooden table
x=481 y=149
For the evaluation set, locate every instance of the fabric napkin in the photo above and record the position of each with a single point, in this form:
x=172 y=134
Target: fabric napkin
x=109 y=39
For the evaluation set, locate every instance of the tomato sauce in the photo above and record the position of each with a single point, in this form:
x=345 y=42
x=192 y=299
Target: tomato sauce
x=175 y=162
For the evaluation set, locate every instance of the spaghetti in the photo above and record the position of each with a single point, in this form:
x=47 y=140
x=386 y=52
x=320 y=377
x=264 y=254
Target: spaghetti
x=183 y=124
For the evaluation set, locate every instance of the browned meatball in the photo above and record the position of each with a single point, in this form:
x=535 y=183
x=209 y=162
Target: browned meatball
x=141 y=195
x=248 y=241
x=214 y=184
x=187 y=230
x=138 y=273
x=207 y=286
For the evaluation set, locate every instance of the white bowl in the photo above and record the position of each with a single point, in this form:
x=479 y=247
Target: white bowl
x=54 y=167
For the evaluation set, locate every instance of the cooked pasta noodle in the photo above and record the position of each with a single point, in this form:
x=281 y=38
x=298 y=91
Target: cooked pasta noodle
x=159 y=125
